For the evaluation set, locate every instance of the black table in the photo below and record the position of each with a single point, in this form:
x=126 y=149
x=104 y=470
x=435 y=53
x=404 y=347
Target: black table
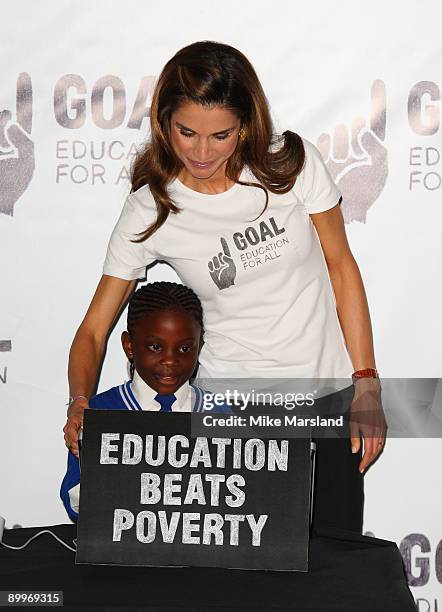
x=348 y=573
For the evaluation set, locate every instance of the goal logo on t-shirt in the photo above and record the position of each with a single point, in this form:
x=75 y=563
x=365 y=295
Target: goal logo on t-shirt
x=222 y=268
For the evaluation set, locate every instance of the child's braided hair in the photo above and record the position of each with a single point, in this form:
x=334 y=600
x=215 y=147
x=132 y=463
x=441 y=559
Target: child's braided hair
x=163 y=295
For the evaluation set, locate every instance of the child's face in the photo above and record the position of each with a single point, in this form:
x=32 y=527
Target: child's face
x=164 y=346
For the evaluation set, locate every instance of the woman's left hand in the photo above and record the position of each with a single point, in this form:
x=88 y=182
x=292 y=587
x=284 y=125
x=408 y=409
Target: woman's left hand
x=367 y=419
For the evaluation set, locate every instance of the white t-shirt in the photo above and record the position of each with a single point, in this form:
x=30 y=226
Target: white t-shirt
x=269 y=306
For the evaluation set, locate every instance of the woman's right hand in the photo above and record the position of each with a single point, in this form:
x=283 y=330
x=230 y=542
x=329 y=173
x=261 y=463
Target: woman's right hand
x=88 y=347
x=74 y=423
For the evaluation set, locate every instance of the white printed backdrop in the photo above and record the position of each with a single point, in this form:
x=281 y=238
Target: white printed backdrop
x=75 y=92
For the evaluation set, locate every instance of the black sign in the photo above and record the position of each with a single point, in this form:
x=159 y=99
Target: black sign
x=153 y=495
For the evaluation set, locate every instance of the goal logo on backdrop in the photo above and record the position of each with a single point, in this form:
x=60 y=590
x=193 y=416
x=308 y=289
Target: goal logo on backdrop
x=356 y=157
x=422 y=558
x=101 y=121
x=17 y=160
x=354 y=152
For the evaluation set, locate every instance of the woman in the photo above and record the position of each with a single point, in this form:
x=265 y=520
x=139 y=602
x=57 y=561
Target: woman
x=238 y=213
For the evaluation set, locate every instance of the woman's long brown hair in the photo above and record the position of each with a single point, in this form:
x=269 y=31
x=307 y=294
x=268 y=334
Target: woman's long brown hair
x=214 y=74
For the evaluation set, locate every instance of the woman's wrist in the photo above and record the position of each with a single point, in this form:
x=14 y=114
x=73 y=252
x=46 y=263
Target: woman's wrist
x=366 y=379
x=79 y=402
x=365 y=373
x=75 y=398
x=364 y=385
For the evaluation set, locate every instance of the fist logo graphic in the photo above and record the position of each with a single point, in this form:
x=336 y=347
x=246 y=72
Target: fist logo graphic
x=16 y=148
x=358 y=161
x=222 y=267
x=5 y=346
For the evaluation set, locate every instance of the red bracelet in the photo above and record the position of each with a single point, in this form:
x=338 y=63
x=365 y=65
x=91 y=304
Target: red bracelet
x=366 y=373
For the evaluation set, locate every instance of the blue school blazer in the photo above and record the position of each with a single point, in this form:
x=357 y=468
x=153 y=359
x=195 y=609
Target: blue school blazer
x=118 y=398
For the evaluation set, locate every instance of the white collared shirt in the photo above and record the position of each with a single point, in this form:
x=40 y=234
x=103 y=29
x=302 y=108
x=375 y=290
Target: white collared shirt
x=145 y=395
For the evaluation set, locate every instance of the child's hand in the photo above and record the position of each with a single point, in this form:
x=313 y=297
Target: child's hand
x=74 y=424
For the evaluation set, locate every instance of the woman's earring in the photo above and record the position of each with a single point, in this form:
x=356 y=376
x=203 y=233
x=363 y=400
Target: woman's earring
x=242 y=134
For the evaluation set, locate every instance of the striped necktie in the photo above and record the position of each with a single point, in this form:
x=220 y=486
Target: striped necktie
x=165 y=402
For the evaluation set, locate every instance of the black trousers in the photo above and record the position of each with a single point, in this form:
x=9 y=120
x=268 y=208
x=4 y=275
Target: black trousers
x=338 y=499
x=339 y=486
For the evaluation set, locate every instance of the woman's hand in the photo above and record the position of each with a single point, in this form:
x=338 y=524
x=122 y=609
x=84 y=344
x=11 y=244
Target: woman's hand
x=87 y=349
x=367 y=418
x=74 y=423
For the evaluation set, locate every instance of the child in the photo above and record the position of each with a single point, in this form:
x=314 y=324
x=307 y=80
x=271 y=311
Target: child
x=163 y=339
